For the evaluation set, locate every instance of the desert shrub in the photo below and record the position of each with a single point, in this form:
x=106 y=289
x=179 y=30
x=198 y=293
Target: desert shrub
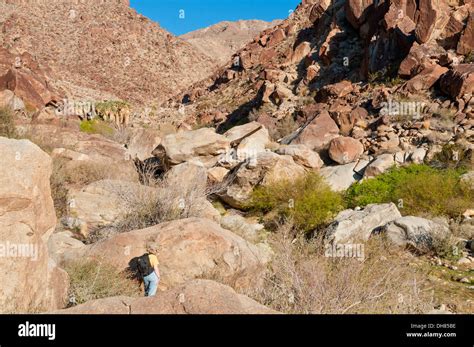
x=59 y=190
x=162 y=201
x=91 y=280
x=453 y=156
x=302 y=279
x=66 y=173
x=308 y=200
x=417 y=189
x=469 y=57
x=384 y=77
x=96 y=126
x=284 y=127
x=86 y=172
x=7 y=124
x=446 y=246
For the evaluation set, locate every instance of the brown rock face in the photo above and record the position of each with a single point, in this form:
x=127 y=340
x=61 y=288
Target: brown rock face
x=318 y=133
x=318 y=9
x=427 y=14
x=276 y=37
x=426 y=78
x=453 y=30
x=336 y=90
x=22 y=75
x=26 y=87
x=301 y=51
x=357 y=10
x=419 y=58
x=194 y=297
x=29 y=280
x=459 y=81
x=466 y=42
x=344 y=150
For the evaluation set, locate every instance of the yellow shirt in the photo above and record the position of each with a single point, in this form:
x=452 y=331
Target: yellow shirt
x=153 y=260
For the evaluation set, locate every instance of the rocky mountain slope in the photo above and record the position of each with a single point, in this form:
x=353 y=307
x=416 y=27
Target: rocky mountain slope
x=348 y=58
x=222 y=40
x=101 y=49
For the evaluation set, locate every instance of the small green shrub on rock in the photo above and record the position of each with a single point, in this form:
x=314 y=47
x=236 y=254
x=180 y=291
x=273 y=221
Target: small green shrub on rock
x=308 y=201
x=417 y=190
x=96 y=126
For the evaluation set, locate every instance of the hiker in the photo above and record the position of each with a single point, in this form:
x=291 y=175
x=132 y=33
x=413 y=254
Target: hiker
x=148 y=267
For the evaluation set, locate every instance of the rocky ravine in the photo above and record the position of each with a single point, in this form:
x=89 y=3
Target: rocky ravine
x=100 y=50
x=288 y=108
x=35 y=283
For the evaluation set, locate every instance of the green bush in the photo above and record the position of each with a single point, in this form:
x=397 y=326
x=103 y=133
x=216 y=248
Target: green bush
x=417 y=189
x=308 y=201
x=91 y=280
x=96 y=126
x=7 y=124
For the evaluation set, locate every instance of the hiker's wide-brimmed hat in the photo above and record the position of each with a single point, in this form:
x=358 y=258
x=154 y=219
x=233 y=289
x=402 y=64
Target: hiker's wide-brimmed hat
x=152 y=247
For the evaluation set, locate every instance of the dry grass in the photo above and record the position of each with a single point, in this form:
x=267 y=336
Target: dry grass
x=7 y=124
x=163 y=200
x=86 y=172
x=81 y=173
x=91 y=280
x=302 y=279
x=59 y=190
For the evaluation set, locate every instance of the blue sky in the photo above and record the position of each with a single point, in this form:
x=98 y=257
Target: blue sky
x=203 y=13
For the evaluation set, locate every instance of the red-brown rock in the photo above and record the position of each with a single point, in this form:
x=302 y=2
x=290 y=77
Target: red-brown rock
x=318 y=9
x=344 y=150
x=427 y=16
x=425 y=79
x=419 y=58
x=335 y=91
x=356 y=11
x=458 y=81
x=276 y=37
x=319 y=133
x=466 y=42
x=29 y=88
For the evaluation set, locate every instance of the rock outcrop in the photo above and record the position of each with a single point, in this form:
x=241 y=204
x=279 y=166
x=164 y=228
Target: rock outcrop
x=194 y=297
x=351 y=226
x=21 y=74
x=419 y=233
x=30 y=281
x=344 y=150
x=263 y=169
x=190 y=248
x=202 y=144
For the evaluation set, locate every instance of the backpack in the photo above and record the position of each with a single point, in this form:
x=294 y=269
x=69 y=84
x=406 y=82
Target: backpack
x=144 y=265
